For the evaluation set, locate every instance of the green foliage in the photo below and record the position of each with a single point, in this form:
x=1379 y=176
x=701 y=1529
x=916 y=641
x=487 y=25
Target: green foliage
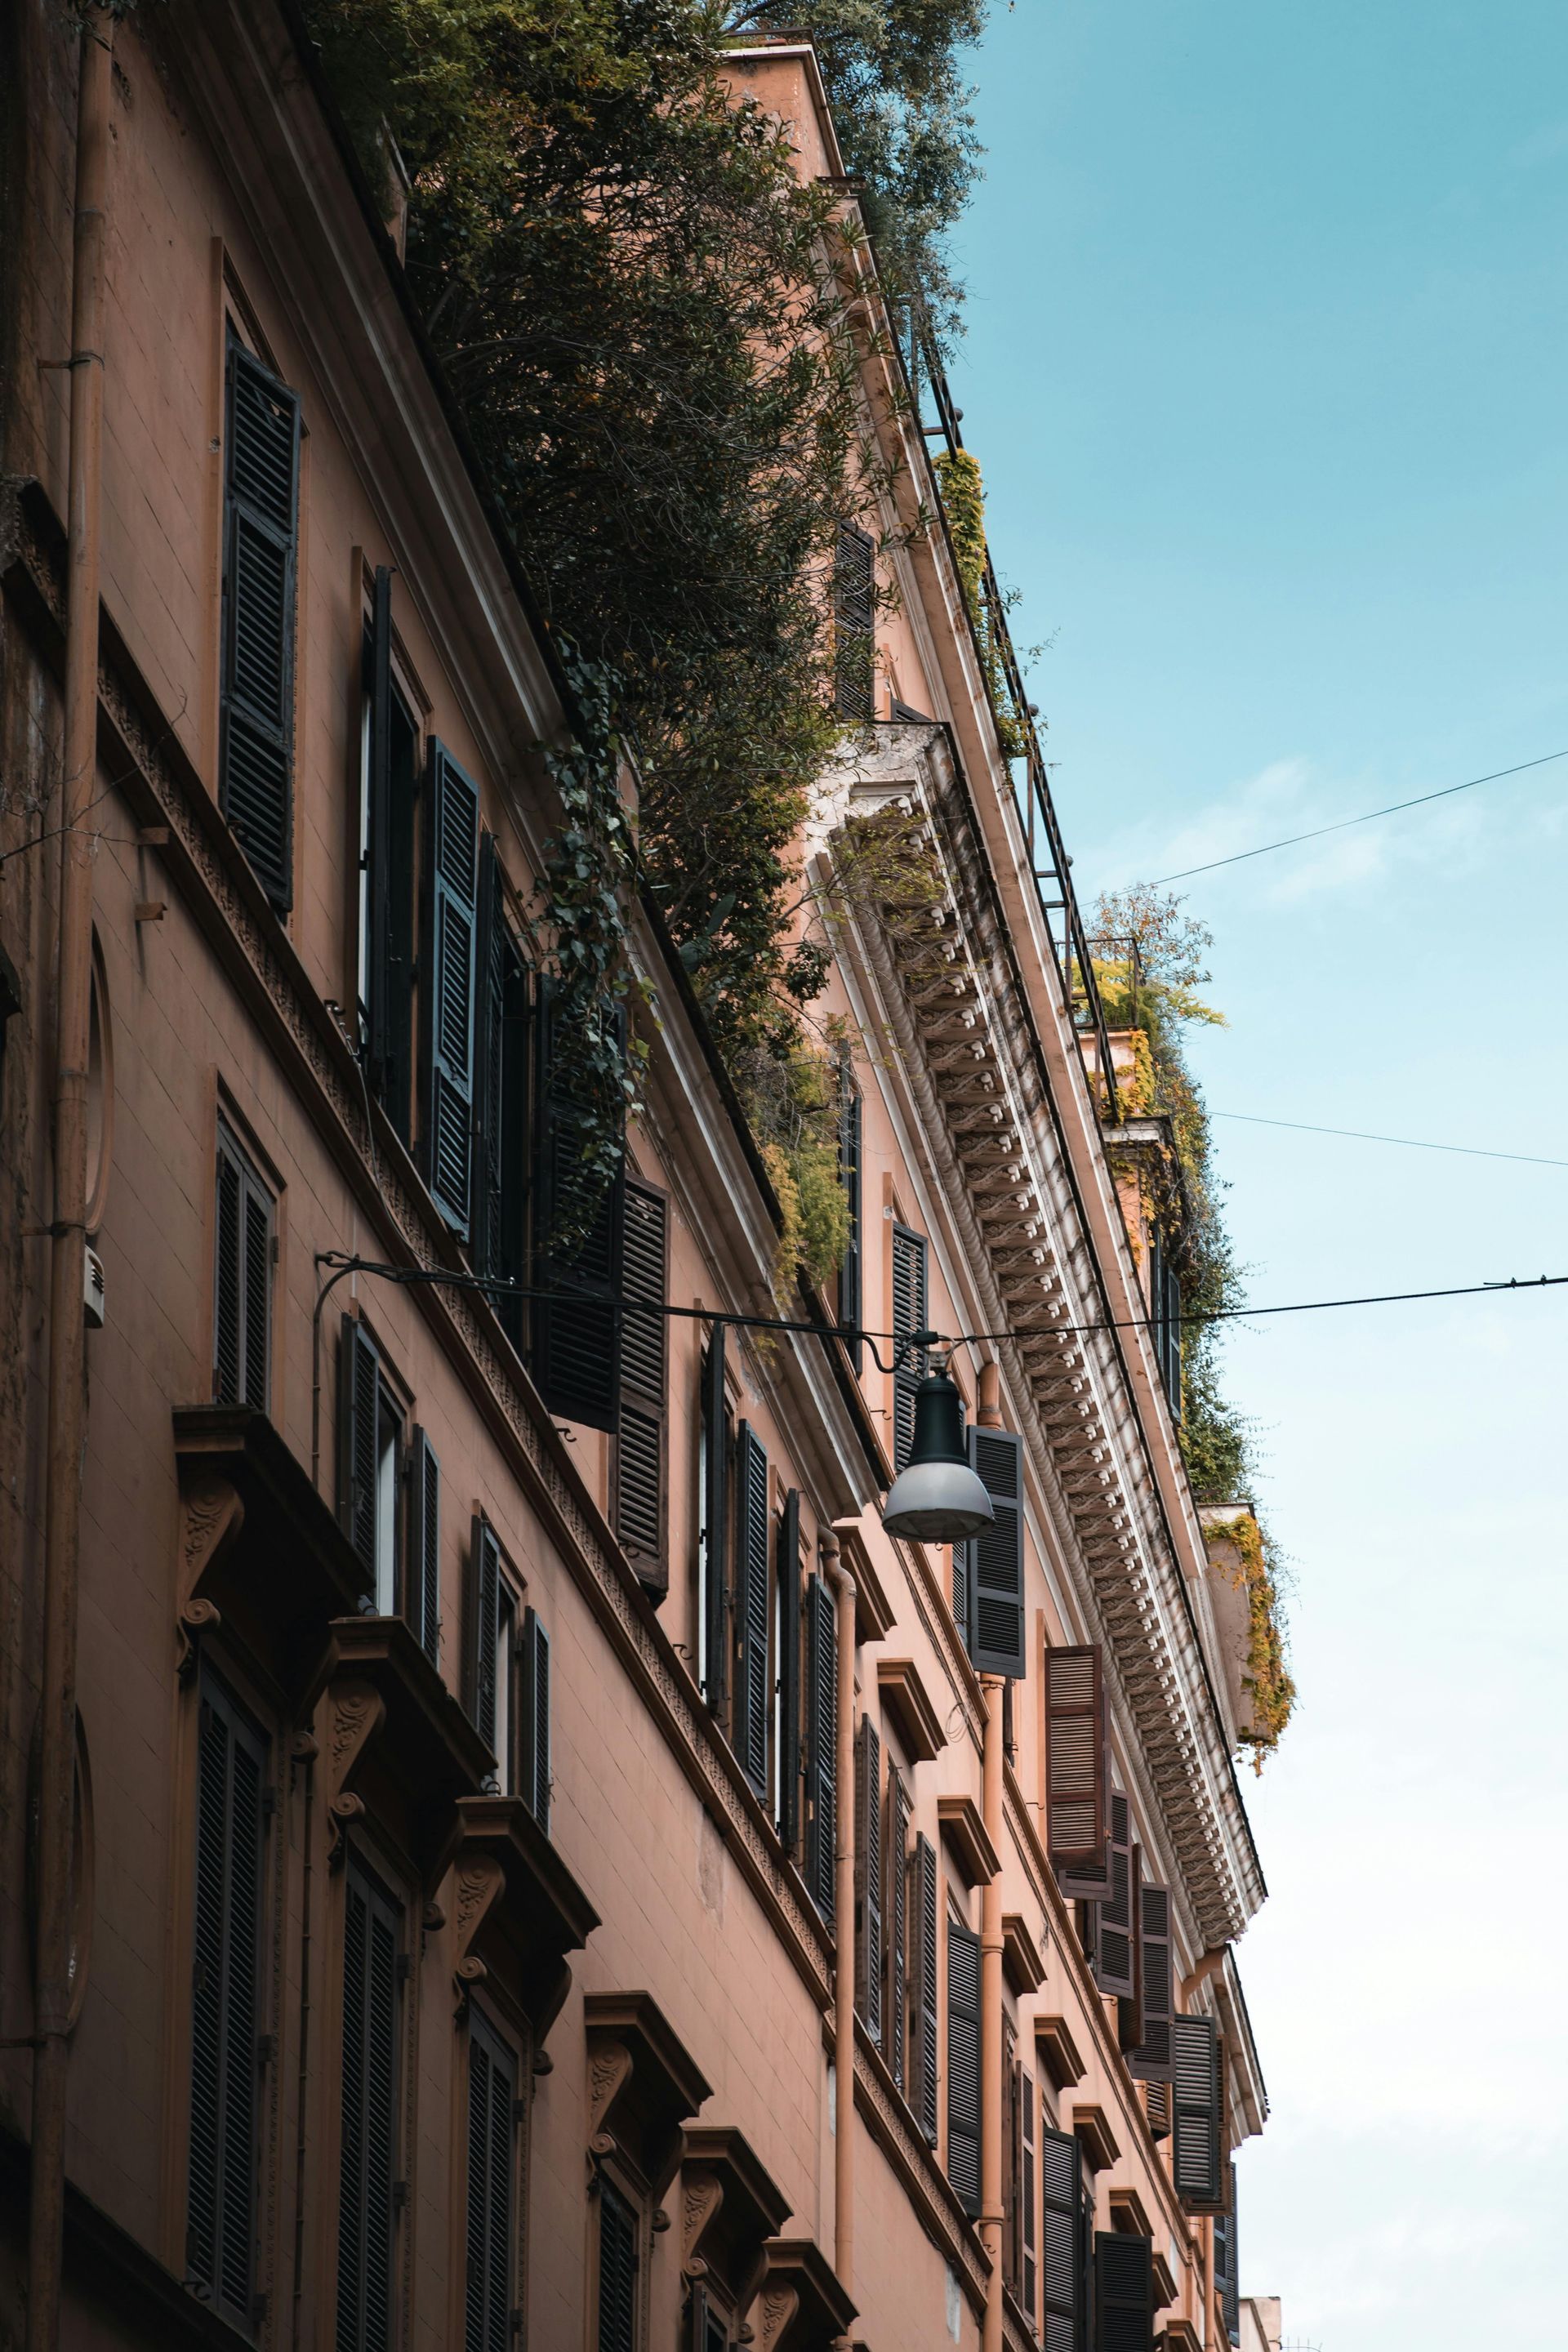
x=964 y=503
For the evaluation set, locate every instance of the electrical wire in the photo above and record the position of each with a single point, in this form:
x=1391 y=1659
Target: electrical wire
x=1411 y=1143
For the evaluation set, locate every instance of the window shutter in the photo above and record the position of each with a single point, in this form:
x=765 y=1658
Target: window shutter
x=821 y=1747
x=640 y=1440
x=1195 y=2157
x=1123 y=2293
x=923 y=1992
x=220 y=2230
x=789 y=1759
x=997 y=1556
x=492 y=2090
x=751 y=1608
x=378 y=830
x=491 y=959
x=533 y=1719
x=422 y=1568
x=895 y=1914
x=869 y=1878
x=1150 y=2061
x=909 y=1288
x=577 y=1240
x=1027 y=2191
x=261 y=530
x=242 y=1286
x=1076 y=1775
x=1115 y=1924
x=854 y=609
x=618 y=2271
x=447 y=994
x=1061 y=2202
x=368 y=2159
x=1226 y=2270
x=359 y=1399
x=483 y=1628
x=1157 y=2107
x=963 y=2065
x=851 y=1300
x=1012 y=2163
x=716 y=1522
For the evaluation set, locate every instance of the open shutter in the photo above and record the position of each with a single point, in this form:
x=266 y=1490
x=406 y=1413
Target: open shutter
x=242 y=1286
x=640 y=1440
x=996 y=1555
x=533 y=1719
x=378 y=833
x=490 y=969
x=359 y=1401
x=869 y=1878
x=368 y=2157
x=1115 y=1927
x=1012 y=2164
x=715 y=1523
x=422 y=1568
x=483 y=1628
x=1028 y=2193
x=853 y=610
x=1226 y=2274
x=751 y=1738
x=851 y=1284
x=895 y=1915
x=261 y=530
x=1123 y=2293
x=220 y=2225
x=492 y=2092
x=1060 y=2203
x=446 y=994
x=909 y=1290
x=1150 y=2061
x=923 y=1992
x=963 y=2064
x=578 y=1233
x=821 y=1745
x=789 y=1758
x=618 y=2271
x=1195 y=2154
x=1076 y=1811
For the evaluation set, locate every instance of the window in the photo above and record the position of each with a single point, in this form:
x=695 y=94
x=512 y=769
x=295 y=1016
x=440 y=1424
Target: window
x=1226 y=2273
x=1115 y=1928
x=370 y=1458
x=1029 y=2283
x=368 y=2187
x=1165 y=1317
x=1150 y=2062
x=1196 y=2152
x=389 y=773
x=242 y=1282
x=821 y=1745
x=489 y=2296
x=449 y=872
x=752 y=1681
x=868 y=1883
x=231 y=1825
x=502 y=1023
x=619 y=2262
x=923 y=1904
x=640 y=1440
x=422 y=1574
x=260 y=546
x=506 y=1675
x=851 y=1300
x=963 y=2063
x=787 y=1754
x=579 y=1222
x=910 y=1312
x=854 y=619
x=1061 y=2242
x=1124 y=2291
x=1077 y=1816
x=988 y=1571
x=707 y=2325
x=894 y=1925
x=714 y=1520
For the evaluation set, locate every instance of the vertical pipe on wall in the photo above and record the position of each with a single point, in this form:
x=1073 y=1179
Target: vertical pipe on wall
x=991 y=2020
x=842 y=1585
x=67 y=1386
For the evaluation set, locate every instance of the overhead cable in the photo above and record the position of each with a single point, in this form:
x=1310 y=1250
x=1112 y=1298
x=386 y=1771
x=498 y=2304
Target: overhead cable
x=1410 y=1142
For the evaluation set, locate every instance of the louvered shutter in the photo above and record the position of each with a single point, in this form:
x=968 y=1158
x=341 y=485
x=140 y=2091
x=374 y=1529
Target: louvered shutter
x=359 y=1404
x=1028 y=2191
x=640 y=1440
x=1061 y=2262
x=491 y=956
x=378 y=832
x=895 y=2038
x=1123 y=2293
x=821 y=1745
x=578 y=1233
x=1226 y=2271
x=963 y=2064
x=1076 y=1811
x=368 y=2156
x=751 y=1689
x=997 y=1556
x=487 y=2291
x=1114 y=1922
x=533 y=1719
x=447 y=984
x=854 y=608
x=421 y=1567
x=1196 y=2152
x=617 y=2272
x=1157 y=2107
x=482 y=1628
x=851 y=1300
x=1130 y=2013
x=789 y=1760
x=242 y=1286
x=1012 y=2164
x=220 y=2223
x=869 y=1878
x=922 y=1991
x=716 y=1524
x=1151 y=2062
x=261 y=529
x=910 y=1290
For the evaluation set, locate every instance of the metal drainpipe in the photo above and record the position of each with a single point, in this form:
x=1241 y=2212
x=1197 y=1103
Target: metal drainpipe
x=1208 y=2283
x=988 y=1415
x=842 y=1585
x=68 y=1360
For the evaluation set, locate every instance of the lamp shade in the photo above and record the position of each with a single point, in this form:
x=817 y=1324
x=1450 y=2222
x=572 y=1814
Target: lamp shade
x=936 y=1498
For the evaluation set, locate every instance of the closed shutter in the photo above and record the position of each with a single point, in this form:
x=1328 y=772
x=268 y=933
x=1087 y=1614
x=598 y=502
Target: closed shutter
x=895 y=2038
x=922 y=1991
x=963 y=2064
x=751 y=1724
x=1226 y=2273
x=492 y=957
x=533 y=1719
x=640 y=1439
x=447 y=985
x=821 y=1744
x=1076 y=1811
x=1028 y=2193
x=850 y=1285
x=869 y=1878
x=909 y=1288
x=379 y=976
x=482 y=1628
x=242 y=1286
x=220 y=2223
x=789 y=1757
x=854 y=610
x=422 y=1568
x=1012 y=2163
x=1150 y=2061
x=368 y=2158
x=617 y=2272
x=1115 y=1926
x=492 y=2092
x=358 y=1405
x=1061 y=2263
x=1196 y=2156
x=715 y=1525
x=261 y=530
x=578 y=1231
x=996 y=1555
x=1123 y=2293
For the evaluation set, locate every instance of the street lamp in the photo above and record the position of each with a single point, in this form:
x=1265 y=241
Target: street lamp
x=936 y=1498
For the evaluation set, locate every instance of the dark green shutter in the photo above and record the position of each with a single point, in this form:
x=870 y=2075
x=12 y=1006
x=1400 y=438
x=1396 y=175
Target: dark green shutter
x=895 y=2038
x=850 y=1283
x=910 y=1290
x=1123 y=2293
x=821 y=1745
x=367 y=2163
x=618 y=2271
x=490 y=968
x=869 y=1878
x=854 y=611
x=789 y=1759
x=716 y=1524
x=533 y=1719
x=1226 y=2274
x=751 y=1685
x=1195 y=2154
x=640 y=1442
x=997 y=1556
x=578 y=1233
x=261 y=529
x=378 y=830
x=483 y=1615
x=220 y=2225
x=242 y=1288
x=1061 y=2263
x=450 y=923
x=1151 y=2062
x=1115 y=1927
x=923 y=1992
x=422 y=1565
x=359 y=1404
x=963 y=2064
x=493 y=2093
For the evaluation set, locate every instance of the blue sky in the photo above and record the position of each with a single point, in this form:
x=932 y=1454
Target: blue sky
x=1266 y=366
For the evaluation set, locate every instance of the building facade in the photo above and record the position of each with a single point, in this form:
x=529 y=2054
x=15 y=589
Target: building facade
x=500 y=1846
